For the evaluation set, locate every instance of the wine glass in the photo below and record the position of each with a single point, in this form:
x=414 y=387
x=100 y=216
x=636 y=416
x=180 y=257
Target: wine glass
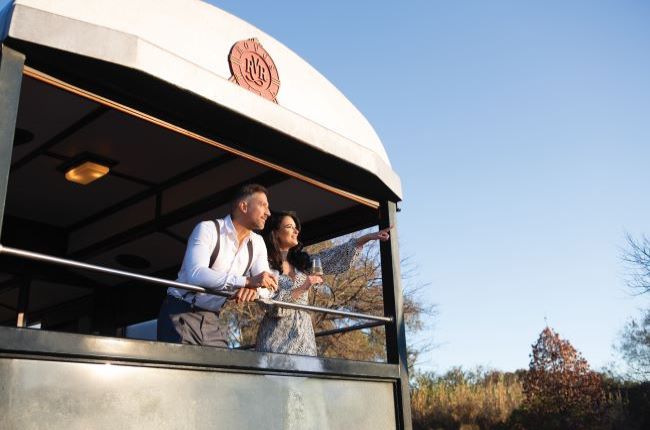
x=316 y=266
x=317 y=269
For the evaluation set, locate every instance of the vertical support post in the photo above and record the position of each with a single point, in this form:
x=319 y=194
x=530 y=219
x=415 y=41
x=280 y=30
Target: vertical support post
x=11 y=76
x=394 y=306
x=23 y=302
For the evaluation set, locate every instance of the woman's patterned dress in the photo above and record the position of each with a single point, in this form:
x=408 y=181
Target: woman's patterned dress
x=290 y=331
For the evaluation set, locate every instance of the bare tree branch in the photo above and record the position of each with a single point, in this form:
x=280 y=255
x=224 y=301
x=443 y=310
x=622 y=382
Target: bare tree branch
x=637 y=257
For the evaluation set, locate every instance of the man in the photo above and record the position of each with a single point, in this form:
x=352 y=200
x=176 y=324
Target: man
x=237 y=252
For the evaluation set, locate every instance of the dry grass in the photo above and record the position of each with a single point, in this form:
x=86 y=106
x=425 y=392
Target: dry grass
x=464 y=400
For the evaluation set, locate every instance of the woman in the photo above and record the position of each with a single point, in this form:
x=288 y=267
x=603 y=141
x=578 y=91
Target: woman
x=290 y=331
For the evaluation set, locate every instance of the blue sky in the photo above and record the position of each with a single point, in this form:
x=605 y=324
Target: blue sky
x=521 y=133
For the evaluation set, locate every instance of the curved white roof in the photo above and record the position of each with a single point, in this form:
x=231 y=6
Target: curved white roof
x=186 y=43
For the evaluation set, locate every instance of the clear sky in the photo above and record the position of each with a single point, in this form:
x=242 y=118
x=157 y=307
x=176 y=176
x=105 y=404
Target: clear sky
x=521 y=133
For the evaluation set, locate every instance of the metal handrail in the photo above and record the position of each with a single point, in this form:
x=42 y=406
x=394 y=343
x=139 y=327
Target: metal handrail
x=331 y=332
x=65 y=262
x=347 y=329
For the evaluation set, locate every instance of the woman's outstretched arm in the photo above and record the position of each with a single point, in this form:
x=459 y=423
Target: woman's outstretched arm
x=339 y=258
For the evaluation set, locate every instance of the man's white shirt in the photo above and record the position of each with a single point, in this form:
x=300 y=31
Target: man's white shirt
x=227 y=271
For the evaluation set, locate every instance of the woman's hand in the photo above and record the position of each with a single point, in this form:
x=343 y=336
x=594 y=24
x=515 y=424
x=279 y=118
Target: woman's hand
x=311 y=281
x=382 y=235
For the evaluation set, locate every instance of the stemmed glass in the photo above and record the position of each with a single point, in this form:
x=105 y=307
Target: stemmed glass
x=317 y=269
x=316 y=266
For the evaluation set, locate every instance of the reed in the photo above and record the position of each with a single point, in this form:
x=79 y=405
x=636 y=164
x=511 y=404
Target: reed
x=468 y=400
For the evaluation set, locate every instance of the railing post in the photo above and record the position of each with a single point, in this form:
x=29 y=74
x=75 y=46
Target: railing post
x=23 y=302
x=393 y=306
x=11 y=76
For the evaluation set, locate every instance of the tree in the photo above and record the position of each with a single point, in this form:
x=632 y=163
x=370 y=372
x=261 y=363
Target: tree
x=635 y=338
x=637 y=256
x=635 y=346
x=359 y=290
x=560 y=391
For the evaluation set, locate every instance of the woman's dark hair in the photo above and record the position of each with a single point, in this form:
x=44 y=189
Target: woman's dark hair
x=296 y=256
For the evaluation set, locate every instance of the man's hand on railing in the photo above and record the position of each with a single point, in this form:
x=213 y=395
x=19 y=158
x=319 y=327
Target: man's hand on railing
x=245 y=294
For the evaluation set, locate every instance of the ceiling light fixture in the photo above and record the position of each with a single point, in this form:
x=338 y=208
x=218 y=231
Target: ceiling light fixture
x=86 y=168
x=86 y=173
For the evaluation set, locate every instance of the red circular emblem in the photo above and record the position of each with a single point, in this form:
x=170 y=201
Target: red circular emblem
x=252 y=68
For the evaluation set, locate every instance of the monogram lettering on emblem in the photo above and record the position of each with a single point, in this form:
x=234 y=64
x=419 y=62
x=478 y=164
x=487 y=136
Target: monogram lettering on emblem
x=255 y=71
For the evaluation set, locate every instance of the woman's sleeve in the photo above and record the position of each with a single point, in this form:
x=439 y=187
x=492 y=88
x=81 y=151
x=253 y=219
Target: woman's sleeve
x=284 y=294
x=339 y=258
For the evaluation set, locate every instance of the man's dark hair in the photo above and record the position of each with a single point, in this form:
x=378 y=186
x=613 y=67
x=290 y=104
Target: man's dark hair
x=245 y=192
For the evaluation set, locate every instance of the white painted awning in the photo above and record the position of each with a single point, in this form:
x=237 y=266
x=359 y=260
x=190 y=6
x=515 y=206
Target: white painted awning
x=186 y=43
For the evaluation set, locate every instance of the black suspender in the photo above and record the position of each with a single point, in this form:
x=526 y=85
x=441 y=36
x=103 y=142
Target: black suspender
x=250 y=257
x=215 y=251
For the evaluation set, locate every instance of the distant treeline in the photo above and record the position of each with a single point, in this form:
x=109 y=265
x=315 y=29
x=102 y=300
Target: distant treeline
x=486 y=399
